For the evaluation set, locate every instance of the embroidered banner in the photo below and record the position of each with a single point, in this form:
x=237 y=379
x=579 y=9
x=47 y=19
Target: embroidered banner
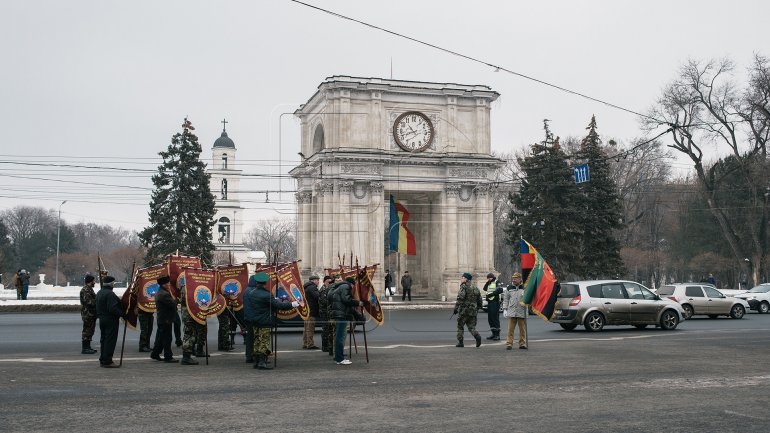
x=231 y=282
x=128 y=301
x=201 y=296
x=147 y=286
x=290 y=283
x=175 y=266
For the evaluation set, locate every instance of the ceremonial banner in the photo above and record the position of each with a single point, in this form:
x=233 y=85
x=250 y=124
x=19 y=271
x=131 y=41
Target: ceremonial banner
x=232 y=282
x=290 y=283
x=128 y=301
x=146 y=285
x=367 y=294
x=540 y=286
x=175 y=267
x=201 y=296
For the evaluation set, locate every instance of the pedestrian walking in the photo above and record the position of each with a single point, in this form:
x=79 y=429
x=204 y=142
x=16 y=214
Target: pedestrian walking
x=88 y=314
x=515 y=312
x=388 y=282
x=466 y=307
x=24 y=276
x=406 y=286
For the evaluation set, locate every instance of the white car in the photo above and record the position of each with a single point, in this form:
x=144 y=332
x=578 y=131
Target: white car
x=758 y=298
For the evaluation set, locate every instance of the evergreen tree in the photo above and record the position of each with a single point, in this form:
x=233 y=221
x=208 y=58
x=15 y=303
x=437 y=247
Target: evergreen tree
x=182 y=206
x=545 y=207
x=601 y=213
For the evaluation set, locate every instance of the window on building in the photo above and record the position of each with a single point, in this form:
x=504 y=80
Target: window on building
x=224 y=162
x=224 y=189
x=223 y=228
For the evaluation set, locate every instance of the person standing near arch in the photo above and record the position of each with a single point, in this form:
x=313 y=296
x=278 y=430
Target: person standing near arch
x=406 y=286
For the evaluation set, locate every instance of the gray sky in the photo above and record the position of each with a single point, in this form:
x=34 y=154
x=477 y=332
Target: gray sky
x=108 y=82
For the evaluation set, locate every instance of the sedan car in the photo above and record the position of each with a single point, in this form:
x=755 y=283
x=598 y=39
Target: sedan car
x=758 y=298
x=595 y=304
x=704 y=299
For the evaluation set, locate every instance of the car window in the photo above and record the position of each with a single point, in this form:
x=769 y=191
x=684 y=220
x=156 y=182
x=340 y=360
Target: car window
x=569 y=291
x=712 y=292
x=666 y=290
x=693 y=291
x=760 y=289
x=613 y=291
x=635 y=291
x=595 y=291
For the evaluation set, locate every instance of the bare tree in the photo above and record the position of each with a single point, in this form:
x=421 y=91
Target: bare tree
x=703 y=107
x=274 y=236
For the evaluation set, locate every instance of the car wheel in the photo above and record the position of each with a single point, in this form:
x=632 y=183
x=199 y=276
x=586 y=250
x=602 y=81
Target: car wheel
x=640 y=326
x=594 y=322
x=764 y=307
x=567 y=326
x=737 y=311
x=713 y=316
x=688 y=312
x=669 y=320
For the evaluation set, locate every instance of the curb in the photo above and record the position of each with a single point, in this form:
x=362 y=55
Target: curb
x=69 y=308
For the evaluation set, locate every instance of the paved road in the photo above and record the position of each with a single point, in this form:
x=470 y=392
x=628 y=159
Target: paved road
x=708 y=375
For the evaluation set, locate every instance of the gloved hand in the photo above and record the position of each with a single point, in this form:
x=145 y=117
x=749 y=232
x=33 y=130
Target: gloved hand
x=455 y=312
x=294 y=304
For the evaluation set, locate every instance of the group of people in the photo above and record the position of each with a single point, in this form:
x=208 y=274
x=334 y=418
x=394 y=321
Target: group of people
x=332 y=304
x=406 y=285
x=469 y=302
x=20 y=281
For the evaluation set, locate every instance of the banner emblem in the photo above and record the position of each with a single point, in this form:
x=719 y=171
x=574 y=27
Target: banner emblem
x=150 y=290
x=202 y=297
x=231 y=288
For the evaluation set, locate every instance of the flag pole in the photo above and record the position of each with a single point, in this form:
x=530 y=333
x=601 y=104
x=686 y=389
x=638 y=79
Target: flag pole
x=363 y=324
x=274 y=328
x=125 y=322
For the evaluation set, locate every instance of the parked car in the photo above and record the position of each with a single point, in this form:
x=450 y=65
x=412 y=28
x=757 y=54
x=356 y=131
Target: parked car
x=758 y=298
x=704 y=299
x=595 y=304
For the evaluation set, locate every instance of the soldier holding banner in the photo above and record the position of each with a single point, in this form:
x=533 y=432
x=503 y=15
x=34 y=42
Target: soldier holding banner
x=260 y=306
x=192 y=332
x=109 y=312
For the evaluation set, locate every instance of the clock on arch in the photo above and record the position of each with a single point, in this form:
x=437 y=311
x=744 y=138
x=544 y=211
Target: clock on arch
x=413 y=131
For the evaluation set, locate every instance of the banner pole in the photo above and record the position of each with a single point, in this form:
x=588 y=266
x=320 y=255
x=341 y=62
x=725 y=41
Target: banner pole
x=274 y=328
x=130 y=287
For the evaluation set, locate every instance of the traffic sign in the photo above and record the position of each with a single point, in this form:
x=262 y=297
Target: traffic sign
x=581 y=173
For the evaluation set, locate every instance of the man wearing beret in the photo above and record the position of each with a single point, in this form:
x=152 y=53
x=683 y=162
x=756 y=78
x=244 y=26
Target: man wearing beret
x=466 y=308
x=88 y=314
x=260 y=312
x=166 y=309
x=109 y=312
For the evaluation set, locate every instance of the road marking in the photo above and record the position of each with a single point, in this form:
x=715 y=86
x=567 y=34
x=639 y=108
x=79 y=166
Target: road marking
x=730 y=412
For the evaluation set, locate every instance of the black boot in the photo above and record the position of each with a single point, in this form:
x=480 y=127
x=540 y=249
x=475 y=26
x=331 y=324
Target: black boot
x=199 y=353
x=459 y=343
x=87 y=348
x=496 y=335
x=478 y=339
x=262 y=364
x=187 y=360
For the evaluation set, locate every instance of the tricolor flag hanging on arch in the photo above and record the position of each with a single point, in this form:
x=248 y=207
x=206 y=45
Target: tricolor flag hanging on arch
x=540 y=284
x=401 y=238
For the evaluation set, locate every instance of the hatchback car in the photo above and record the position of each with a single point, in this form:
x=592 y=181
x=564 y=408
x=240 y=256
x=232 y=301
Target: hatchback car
x=758 y=298
x=595 y=304
x=704 y=299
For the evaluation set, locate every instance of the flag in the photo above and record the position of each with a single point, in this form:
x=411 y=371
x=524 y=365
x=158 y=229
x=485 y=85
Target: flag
x=401 y=238
x=175 y=265
x=366 y=293
x=231 y=283
x=201 y=296
x=290 y=284
x=146 y=286
x=540 y=284
x=128 y=301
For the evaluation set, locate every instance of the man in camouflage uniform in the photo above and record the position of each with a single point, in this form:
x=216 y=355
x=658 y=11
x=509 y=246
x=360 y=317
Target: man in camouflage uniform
x=193 y=333
x=223 y=335
x=88 y=314
x=146 y=321
x=467 y=307
x=260 y=311
x=323 y=315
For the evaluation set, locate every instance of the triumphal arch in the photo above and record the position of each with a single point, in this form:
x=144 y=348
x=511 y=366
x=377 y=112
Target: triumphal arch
x=428 y=145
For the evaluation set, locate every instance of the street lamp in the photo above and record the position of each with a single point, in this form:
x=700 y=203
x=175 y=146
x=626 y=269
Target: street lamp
x=58 y=232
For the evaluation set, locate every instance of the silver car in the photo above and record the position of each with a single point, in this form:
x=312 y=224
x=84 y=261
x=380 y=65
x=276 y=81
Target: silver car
x=704 y=299
x=595 y=304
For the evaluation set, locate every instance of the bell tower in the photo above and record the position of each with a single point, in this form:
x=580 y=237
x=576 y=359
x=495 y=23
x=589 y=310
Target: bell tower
x=227 y=232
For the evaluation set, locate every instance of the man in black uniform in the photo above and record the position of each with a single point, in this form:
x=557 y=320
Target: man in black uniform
x=109 y=312
x=166 y=310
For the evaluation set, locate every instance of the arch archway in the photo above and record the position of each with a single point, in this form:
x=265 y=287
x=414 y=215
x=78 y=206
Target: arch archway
x=318 y=138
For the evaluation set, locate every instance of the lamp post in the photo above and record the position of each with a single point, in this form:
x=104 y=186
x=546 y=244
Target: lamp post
x=58 y=232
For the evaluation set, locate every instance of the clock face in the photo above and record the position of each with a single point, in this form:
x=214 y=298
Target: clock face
x=413 y=131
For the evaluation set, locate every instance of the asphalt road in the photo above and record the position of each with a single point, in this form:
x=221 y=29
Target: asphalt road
x=708 y=375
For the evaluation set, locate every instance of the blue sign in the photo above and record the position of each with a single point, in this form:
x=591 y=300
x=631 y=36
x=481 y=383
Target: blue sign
x=581 y=173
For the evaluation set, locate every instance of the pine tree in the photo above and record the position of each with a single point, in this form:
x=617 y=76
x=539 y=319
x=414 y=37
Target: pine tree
x=182 y=206
x=601 y=214
x=546 y=204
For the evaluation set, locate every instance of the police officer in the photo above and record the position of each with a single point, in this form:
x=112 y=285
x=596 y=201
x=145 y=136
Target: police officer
x=467 y=307
x=88 y=314
x=492 y=293
x=261 y=314
x=109 y=312
x=166 y=309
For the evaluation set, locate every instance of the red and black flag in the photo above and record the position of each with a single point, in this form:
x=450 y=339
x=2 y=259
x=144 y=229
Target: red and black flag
x=540 y=284
x=128 y=301
x=232 y=281
x=146 y=284
x=175 y=266
x=201 y=296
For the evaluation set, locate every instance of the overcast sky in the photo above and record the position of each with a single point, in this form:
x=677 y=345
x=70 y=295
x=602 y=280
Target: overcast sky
x=107 y=83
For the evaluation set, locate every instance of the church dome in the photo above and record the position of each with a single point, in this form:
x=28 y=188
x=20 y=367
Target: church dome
x=224 y=141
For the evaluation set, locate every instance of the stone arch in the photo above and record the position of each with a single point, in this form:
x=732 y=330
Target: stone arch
x=318 y=138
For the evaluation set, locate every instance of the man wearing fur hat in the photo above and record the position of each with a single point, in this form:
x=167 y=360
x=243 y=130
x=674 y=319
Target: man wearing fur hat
x=166 y=309
x=109 y=312
x=467 y=307
x=88 y=314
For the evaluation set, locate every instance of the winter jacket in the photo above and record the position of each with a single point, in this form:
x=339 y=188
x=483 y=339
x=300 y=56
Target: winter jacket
x=341 y=301
x=468 y=300
x=512 y=302
x=492 y=291
x=166 y=306
x=108 y=305
x=311 y=296
x=261 y=306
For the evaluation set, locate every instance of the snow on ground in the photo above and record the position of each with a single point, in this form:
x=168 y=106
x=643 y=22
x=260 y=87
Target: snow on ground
x=48 y=294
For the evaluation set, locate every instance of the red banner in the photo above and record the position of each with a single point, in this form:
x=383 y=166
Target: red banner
x=367 y=294
x=176 y=265
x=201 y=296
x=147 y=286
x=290 y=284
x=128 y=301
x=231 y=283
